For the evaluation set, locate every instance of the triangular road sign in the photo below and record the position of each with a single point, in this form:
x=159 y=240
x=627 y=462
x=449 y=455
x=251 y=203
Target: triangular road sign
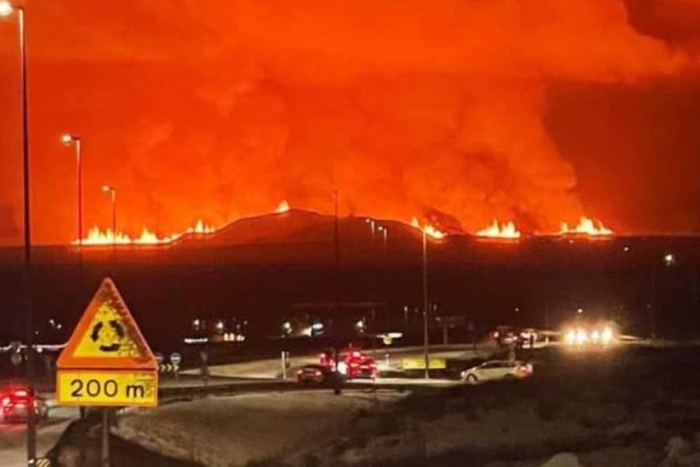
x=107 y=337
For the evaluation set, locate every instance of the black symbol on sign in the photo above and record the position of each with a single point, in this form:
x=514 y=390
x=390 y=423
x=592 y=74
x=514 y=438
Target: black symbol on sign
x=108 y=338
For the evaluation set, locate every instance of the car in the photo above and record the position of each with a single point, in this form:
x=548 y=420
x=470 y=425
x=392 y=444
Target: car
x=497 y=370
x=16 y=405
x=352 y=364
x=356 y=365
x=315 y=374
x=505 y=336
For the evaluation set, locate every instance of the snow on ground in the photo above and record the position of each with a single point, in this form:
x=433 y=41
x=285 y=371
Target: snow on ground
x=231 y=431
x=485 y=433
x=457 y=438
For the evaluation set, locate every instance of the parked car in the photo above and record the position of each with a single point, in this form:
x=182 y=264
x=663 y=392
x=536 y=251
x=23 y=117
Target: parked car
x=315 y=374
x=17 y=404
x=496 y=370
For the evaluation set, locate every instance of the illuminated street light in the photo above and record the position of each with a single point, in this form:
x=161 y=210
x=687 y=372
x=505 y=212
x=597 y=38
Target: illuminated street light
x=113 y=192
x=6 y=10
x=75 y=141
x=385 y=232
x=426 y=350
x=669 y=259
x=372 y=223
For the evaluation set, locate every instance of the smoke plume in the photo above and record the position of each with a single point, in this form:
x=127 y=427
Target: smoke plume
x=218 y=109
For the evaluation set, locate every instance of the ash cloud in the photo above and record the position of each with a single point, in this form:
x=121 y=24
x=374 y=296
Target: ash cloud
x=219 y=109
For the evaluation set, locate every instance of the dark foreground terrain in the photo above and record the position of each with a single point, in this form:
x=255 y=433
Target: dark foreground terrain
x=636 y=405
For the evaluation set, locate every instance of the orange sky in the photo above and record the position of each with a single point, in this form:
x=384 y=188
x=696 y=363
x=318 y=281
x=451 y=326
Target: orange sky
x=534 y=110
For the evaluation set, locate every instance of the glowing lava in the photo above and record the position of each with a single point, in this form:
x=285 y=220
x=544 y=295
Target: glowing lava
x=586 y=226
x=429 y=230
x=506 y=231
x=96 y=237
x=201 y=228
x=283 y=207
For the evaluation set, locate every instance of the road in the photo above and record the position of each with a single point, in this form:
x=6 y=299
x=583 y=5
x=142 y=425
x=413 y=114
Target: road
x=13 y=437
x=387 y=358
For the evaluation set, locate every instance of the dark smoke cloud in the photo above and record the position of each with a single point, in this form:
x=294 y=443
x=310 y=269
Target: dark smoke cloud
x=218 y=109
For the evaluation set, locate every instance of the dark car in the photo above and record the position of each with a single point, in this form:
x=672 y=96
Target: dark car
x=315 y=374
x=18 y=403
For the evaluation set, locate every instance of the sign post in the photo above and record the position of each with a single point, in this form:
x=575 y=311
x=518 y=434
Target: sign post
x=176 y=359
x=107 y=362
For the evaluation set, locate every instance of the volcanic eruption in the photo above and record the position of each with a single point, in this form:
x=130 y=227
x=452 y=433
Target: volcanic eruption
x=217 y=110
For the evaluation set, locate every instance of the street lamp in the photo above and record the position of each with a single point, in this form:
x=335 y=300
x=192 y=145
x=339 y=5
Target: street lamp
x=372 y=224
x=113 y=192
x=426 y=351
x=77 y=143
x=669 y=259
x=6 y=10
x=385 y=232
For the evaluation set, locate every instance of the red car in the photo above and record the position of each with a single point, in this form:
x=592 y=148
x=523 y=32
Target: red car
x=353 y=363
x=17 y=403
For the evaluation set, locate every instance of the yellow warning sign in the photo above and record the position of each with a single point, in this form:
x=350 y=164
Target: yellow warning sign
x=107 y=388
x=107 y=337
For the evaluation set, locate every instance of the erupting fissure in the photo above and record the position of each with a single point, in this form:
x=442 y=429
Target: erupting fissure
x=147 y=237
x=283 y=207
x=496 y=230
x=429 y=230
x=507 y=230
x=586 y=226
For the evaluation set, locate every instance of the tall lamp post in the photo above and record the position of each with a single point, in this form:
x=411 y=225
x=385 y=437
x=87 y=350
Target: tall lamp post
x=77 y=143
x=385 y=232
x=426 y=350
x=6 y=10
x=669 y=260
x=373 y=224
x=105 y=453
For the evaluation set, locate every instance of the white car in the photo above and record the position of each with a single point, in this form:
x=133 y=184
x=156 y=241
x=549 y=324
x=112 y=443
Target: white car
x=497 y=369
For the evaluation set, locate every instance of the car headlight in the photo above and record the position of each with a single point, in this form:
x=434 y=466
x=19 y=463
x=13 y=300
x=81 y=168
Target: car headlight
x=607 y=335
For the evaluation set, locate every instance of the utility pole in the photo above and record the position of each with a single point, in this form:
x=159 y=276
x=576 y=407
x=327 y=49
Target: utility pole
x=338 y=389
x=426 y=351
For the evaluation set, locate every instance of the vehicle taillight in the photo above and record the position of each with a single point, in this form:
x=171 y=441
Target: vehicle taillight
x=318 y=373
x=299 y=372
x=5 y=401
x=20 y=393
